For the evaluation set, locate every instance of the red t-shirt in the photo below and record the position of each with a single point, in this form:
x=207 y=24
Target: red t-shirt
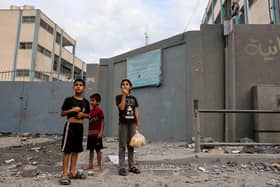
x=95 y=117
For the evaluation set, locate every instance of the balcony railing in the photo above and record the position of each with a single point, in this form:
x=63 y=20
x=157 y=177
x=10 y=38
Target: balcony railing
x=25 y=75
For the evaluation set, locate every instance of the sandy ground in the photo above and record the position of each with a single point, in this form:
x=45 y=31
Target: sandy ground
x=162 y=164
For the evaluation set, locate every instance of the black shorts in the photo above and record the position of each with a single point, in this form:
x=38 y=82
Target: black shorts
x=94 y=143
x=72 y=140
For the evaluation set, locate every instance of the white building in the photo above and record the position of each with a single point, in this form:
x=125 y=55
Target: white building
x=250 y=12
x=35 y=48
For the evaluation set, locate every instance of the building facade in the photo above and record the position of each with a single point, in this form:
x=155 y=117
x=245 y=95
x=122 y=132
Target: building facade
x=34 y=48
x=247 y=11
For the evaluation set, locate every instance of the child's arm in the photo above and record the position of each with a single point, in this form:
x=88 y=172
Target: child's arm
x=100 y=134
x=137 y=118
x=66 y=112
x=123 y=100
x=83 y=115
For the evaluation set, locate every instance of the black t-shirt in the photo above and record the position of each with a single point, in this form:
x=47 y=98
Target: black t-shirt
x=128 y=114
x=71 y=102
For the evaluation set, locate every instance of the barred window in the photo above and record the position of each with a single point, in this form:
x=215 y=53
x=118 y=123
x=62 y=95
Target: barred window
x=44 y=51
x=41 y=76
x=28 y=19
x=25 y=45
x=46 y=26
x=58 y=37
x=22 y=72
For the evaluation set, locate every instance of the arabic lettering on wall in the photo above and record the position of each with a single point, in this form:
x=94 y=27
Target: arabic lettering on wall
x=267 y=51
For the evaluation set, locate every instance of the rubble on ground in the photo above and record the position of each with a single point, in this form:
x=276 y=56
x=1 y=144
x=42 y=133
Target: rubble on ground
x=39 y=162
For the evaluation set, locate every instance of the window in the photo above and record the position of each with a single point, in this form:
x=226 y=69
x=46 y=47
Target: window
x=22 y=73
x=41 y=76
x=251 y=2
x=65 y=70
x=28 y=19
x=25 y=45
x=44 y=51
x=58 y=37
x=46 y=26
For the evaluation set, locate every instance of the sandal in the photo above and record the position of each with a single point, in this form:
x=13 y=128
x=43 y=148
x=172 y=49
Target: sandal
x=79 y=175
x=134 y=170
x=65 y=180
x=122 y=172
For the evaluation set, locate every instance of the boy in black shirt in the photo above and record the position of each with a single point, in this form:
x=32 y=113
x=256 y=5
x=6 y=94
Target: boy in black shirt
x=128 y=123
x=76 y=108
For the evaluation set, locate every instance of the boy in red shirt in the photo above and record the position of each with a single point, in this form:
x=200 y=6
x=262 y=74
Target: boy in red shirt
x=95 y=131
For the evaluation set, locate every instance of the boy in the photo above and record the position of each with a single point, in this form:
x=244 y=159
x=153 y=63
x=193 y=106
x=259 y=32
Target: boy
x=128 y=123
x=76 y=108
x=95 y=131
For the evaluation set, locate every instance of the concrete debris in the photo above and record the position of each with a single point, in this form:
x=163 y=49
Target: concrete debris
x=217 y=151
x=191 y=145
x=30 y=171
x=13 y=166
x=29 y=158
x=6 y=133
x=9 y=161
x=274 y=182
x=26 y=134
x=235 y=151
x=207 y=140
x=90 y=173
x=162 y=164
x=244 y=166
x=23 y=139
x=232 y=163
x=19 y=164
x=248 y=149
x=260 y=149
x=36 y=149
x=246 y=140
x=209 y=169
x=202 y=169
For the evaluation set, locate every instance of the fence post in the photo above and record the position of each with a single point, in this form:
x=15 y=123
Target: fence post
x=197 y=126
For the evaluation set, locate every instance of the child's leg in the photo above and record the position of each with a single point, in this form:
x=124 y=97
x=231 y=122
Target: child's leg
x=90 y=160
x=74 y=158
x=99 y=156
x=65 y=163
x=122 y=143
x=130 y=150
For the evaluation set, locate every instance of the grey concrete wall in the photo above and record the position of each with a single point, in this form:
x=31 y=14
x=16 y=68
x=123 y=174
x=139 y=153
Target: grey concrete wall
x=162 y=109
x=266 y=126
x=205 y=51
x=166 y=112
x=255 y=57
x=34 y=106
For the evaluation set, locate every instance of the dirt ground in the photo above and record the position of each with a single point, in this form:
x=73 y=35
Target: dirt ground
x=162 y=164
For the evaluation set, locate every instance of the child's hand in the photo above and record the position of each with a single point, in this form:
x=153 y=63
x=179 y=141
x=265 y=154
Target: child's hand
x=137 y=127
x=100 y=135
x=80 y=115
x=124 y=91
x=76 y=109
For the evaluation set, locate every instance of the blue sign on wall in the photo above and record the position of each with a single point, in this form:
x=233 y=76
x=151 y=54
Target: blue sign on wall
x=145 y=69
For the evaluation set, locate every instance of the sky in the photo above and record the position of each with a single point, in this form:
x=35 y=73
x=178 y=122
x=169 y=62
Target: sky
x=106 y=28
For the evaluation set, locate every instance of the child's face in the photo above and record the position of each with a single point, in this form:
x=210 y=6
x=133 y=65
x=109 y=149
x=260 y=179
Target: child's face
x=125 y=85
x=78 y=87
x=93 y=102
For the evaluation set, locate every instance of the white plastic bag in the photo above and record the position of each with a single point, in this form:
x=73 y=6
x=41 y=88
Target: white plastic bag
x=137 y=140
